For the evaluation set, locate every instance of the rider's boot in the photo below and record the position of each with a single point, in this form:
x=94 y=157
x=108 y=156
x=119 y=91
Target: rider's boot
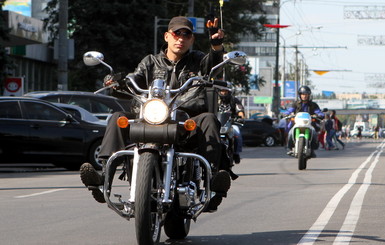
x=220 y=184
x=237 y=158
x=312 y=154
x=92 y=180
x=233 y=175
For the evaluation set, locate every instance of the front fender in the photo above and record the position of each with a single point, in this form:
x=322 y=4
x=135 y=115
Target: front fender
x=149 y=147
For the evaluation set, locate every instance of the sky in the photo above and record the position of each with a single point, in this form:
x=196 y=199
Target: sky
x=353 y=67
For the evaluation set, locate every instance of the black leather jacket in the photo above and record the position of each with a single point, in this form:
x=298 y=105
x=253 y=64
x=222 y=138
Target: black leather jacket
x=193 y=63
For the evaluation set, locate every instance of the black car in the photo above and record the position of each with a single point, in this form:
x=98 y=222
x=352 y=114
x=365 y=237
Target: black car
x=37 y=131
x=260 y=131
x=98 y=104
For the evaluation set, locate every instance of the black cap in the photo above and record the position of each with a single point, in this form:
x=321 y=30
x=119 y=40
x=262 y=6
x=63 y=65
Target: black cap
x=180 y=22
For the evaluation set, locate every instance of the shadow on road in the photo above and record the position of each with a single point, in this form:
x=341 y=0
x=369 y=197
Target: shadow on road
x=262 y=238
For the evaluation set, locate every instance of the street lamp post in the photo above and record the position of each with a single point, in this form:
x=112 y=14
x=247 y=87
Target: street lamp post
x=276 y=90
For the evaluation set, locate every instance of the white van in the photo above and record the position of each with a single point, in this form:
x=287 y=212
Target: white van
x=366 y=130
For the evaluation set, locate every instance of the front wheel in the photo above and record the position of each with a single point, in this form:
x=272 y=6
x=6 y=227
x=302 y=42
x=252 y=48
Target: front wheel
x=176 y=227
x=301 y=155
x=147 y=195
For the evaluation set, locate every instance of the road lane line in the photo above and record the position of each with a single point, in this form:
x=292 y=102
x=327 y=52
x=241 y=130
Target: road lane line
x=312 y=234
x=39 y=193
x=347 y=230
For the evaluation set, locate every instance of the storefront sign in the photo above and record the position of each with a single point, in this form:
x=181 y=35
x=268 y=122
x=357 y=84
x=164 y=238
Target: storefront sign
x=14 y=86
x=26 y=28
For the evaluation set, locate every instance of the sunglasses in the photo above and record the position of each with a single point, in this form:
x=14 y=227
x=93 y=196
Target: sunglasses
x=181 y=34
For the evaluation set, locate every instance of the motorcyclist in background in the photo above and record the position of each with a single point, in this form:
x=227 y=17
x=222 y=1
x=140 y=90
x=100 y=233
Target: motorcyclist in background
x=304 y=104
x=175 y=63
x=229 y=103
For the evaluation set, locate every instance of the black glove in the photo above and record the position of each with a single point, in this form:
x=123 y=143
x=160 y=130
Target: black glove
x=217 y=41
x=116 y=78
x=240 y=120
x=212 y=30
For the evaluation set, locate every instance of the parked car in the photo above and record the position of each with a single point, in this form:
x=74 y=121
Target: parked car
x=81 y=113
x=98 y=104
x=258 y=131
x=37 y=131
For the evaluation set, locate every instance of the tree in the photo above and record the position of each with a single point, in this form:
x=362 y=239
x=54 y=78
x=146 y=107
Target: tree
x=124 y=30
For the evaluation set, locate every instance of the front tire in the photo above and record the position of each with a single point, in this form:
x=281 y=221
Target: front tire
x=176 y=227
x=301 y=155
x=147 y=194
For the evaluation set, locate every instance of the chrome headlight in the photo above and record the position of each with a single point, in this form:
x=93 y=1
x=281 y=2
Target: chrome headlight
x=155 y=111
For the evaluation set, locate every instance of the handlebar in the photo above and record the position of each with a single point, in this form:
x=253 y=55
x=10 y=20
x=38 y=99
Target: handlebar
x=172 y=91
x=131 y=81
x=222 y=83
x=107 y=87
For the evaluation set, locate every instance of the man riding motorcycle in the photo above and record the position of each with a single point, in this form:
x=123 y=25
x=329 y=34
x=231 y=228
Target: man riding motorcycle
x=175 y=63
x=229 y=103
x=304 y=104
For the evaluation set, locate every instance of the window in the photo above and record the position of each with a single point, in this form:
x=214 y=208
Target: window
x=90 y=105
x=10 y=109
x=40 y=111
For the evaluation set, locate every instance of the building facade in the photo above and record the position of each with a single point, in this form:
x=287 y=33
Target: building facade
x=28 y=47
x=261 y=52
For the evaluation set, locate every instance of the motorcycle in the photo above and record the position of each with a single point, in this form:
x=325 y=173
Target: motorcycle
x=168 y=185
x=227 y=130
x=302 y=137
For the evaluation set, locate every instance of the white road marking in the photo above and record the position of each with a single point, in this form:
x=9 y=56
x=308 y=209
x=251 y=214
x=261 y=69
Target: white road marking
x=347 y=230
x=312 y=234
x=39 y=193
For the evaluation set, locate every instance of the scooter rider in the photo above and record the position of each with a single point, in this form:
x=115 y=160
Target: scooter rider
x=175 y=63
x=304 y=104
x=229 y=103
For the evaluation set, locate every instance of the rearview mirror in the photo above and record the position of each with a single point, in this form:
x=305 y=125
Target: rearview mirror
x=93 y=58
x=236 y=57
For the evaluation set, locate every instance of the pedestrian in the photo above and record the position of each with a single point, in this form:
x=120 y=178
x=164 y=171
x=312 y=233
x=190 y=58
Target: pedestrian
x=359 y=134
x=376 y=131
x=329 y=132
x=321 y=133
x=282 y=129
x=347 y=131
x=337 y=127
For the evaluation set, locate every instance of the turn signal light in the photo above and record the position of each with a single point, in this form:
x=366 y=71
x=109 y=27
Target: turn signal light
x=122 y=122
x=190 y=125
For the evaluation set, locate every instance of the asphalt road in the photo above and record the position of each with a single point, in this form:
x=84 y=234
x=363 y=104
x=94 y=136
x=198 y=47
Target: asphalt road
x=339 y=199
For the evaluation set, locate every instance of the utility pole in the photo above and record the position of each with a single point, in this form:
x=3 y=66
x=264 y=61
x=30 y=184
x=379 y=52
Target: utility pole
x=276 y=89
x=63 y=46
x=296 y=74
x=190 y=8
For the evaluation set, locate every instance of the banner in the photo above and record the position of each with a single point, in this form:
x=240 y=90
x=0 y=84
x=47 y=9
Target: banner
x=14 y=86
x=289 y=91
